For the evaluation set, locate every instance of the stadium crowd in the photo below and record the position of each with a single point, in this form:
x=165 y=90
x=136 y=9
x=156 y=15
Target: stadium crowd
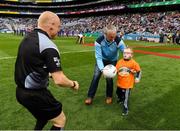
x=62 y=9
x=162 y=23
x=145 y=1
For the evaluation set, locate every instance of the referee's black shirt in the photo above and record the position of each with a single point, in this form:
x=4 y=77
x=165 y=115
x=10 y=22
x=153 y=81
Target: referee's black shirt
x=37 y=56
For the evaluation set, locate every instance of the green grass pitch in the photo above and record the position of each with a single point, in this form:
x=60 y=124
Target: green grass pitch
x=154 y=102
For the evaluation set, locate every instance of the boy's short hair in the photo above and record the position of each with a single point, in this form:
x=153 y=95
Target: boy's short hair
x=129 y=48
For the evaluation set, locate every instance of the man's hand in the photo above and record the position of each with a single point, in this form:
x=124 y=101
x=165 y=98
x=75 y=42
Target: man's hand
x=75 y=85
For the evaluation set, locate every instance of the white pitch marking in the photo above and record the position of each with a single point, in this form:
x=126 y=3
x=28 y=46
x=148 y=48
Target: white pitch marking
x=67 y=52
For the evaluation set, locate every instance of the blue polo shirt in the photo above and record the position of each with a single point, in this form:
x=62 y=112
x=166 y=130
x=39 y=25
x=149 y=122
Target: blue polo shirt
x=109 y=51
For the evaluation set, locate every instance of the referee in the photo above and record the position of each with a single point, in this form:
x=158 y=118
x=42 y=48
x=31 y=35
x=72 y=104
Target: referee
x=37 y=57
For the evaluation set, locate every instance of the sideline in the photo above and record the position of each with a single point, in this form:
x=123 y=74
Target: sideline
x=137 y=51
x=157 y=54
x=157 y=47
x=67 y=52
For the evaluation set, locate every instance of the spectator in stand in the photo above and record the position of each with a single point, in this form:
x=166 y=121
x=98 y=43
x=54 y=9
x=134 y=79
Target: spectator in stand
x=177 y=38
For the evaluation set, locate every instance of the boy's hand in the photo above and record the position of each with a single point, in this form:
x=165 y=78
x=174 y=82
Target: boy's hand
x=137 y=80
x=133 y=71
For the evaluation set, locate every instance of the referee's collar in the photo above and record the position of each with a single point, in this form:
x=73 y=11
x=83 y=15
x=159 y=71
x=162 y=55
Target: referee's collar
x=40 y=30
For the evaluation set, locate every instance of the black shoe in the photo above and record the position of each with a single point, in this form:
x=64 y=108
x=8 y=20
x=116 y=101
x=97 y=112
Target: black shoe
x=125 y=112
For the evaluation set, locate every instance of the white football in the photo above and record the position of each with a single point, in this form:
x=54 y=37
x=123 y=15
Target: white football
x=109 y=71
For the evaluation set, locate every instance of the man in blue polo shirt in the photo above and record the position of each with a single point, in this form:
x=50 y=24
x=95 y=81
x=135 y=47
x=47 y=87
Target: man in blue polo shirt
x=107 y=49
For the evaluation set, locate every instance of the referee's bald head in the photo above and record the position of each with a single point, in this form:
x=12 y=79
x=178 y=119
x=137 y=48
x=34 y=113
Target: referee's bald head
x=46 y=16
x=50 y=23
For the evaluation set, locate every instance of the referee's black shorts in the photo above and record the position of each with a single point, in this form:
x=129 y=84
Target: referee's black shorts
x=40 y=103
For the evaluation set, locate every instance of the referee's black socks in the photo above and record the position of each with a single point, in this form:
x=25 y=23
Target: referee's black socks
x=40 y=124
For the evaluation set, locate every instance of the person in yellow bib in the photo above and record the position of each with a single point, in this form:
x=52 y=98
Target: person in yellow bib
x=128 y=73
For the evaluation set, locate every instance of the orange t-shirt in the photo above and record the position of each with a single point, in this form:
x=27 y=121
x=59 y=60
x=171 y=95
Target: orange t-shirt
x=125 y=78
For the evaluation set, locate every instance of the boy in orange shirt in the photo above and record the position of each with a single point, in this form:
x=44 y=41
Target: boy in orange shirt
x=129 y=72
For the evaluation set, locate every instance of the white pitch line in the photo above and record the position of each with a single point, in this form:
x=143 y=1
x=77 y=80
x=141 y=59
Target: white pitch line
x=67 y=52
x=76 y=51
x=5 y=58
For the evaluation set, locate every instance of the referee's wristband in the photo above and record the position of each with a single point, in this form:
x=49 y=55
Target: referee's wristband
x=74 y=84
